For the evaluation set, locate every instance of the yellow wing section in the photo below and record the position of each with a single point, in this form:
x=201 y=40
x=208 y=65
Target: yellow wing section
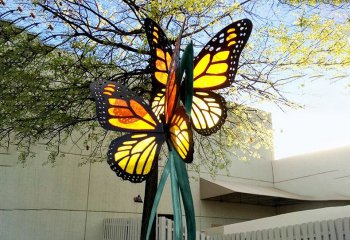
x=216 y=65
x=181 y=135
x=158 y=102
x=208 y=112
x=132 y=156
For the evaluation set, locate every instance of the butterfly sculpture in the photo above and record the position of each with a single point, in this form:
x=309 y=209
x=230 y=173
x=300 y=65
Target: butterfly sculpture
x=215 y=68
x=133 y=155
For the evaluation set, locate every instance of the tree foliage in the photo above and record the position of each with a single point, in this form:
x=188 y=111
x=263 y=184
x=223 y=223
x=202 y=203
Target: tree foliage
x=44 y=91
x=52 y=50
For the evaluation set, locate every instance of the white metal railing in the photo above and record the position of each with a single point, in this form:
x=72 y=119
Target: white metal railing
x=121 y=229
x=129 y=229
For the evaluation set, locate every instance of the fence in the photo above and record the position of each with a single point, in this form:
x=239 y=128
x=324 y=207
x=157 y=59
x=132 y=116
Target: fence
x=121 y=229
x=165 y=231
x=338 y=229
x=129 y=229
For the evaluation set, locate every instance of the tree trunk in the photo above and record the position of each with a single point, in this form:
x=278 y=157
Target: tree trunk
x=150 y=193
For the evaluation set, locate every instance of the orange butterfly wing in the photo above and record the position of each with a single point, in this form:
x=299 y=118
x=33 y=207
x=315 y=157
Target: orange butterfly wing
x=131 y=156
x=161 y=52
x=172 y=85
x=171 y=94
x=161 y=58
x=120 y=109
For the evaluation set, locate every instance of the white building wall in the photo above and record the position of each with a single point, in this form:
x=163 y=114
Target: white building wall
x=69 y=201
x=256 y=171
x=322 y=175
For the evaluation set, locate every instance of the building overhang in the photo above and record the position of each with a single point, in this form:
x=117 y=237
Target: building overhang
x=250 y=194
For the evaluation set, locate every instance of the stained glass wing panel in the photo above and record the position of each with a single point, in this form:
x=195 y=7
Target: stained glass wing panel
x=216 y=65
x=208 y=113
x=132 y=156
x=181 y=135
x=120 y=109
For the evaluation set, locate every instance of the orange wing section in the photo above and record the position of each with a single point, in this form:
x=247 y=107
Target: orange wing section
x=122 y=110
x=132 y=156
x=161 y=52
x=162 y=65
x=161 y=58
x=173 y=85
x=171 y=93
x=181 y=135
x=216 y=65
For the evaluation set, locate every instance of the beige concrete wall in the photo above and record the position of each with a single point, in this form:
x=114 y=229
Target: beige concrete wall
x=214 y=213
x=69 y=201
x=41 y=224
x=321 y=175
x=256 y=171
x=40 y=202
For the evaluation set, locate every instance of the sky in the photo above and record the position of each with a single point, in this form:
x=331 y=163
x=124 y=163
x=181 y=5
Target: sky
x=323 y=123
